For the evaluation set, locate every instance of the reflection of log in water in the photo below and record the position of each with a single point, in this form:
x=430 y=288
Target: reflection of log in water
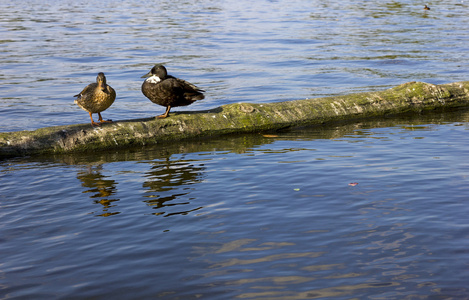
x=163 y=181
x=100 y=187
x=236 y=118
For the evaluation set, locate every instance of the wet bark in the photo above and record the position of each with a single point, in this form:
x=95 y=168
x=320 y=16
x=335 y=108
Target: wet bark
x=235 y=118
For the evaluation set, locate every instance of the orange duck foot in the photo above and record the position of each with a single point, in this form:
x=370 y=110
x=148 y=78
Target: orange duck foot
x=166 y=113
x=103 y=121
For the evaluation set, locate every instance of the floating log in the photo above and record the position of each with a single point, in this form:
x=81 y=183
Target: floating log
x=235 y=118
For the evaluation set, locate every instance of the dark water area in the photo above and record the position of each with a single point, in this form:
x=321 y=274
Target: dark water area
x=260 y=216
x=370 y=209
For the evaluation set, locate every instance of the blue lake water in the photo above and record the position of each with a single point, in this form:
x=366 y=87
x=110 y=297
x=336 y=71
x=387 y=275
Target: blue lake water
x=372 y=209
x=249 y=217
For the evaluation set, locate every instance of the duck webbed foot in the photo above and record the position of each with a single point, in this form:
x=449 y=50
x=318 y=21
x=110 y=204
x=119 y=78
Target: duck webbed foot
x=166 y=113
x=103 y=121
x=93 y=123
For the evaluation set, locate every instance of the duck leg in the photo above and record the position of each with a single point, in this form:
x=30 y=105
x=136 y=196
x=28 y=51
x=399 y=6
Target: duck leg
x=166 y=113
x=93 y=123
x=103 y=121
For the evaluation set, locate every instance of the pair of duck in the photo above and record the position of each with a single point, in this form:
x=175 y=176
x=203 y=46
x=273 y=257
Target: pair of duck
x=159 y=87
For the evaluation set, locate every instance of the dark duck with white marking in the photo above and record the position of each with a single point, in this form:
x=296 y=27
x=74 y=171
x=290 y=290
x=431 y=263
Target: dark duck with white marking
x=96 y=97
x=169 y=91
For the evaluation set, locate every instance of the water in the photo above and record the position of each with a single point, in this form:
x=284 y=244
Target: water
x=251 y=217
x=261 y=216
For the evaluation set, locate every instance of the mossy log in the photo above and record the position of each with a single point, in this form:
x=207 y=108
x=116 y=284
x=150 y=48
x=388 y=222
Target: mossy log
x=235 y=118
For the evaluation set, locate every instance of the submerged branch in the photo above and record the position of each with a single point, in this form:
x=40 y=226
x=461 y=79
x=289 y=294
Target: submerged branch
x=235 y=118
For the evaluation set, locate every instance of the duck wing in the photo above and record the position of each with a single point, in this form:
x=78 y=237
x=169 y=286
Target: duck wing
x=89 y=88
x=186 y=90
x=109 y=90
x=185 y=85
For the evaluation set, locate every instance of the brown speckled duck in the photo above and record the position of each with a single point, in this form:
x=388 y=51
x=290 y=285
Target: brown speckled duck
x=96 y=97
x=426 y=8
x=168 y=91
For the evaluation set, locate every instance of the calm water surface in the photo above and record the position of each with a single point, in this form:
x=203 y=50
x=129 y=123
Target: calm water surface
x=249 y=217
x=257 y=216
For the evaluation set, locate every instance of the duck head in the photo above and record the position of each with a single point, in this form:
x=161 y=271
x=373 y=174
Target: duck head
x=101 y=80
x=156 y=74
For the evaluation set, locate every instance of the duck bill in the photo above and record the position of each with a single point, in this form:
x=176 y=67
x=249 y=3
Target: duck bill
x=146 y=75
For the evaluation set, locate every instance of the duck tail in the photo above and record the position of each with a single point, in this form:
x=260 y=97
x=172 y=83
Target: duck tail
x=194 y=95
x=199 y=96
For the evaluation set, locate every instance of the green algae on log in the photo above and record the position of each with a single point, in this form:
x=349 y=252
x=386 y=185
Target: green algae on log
x=235 y=118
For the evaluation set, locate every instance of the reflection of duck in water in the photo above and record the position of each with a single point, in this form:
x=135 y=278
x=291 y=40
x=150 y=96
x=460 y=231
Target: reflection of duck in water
x=167 y=185
x=100 y=188
x=96 y=97
x=166 y=90
x=426 y=7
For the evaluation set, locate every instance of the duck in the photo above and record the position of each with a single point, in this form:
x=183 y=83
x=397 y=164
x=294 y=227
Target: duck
x=426 y=7
x=169 y=91
x=96 y=97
